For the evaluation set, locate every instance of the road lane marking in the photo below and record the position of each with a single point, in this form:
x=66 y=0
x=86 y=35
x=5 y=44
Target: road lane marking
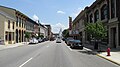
x=25 y=62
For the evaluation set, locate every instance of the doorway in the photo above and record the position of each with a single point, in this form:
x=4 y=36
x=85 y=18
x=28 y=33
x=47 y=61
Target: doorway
x=114 y=36
x=16 y=36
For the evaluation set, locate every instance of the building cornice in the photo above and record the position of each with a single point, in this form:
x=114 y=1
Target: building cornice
x=6 y=15
x=83 y=12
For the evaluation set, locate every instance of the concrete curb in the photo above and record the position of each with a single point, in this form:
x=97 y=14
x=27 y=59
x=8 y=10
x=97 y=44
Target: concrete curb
x=21 y=45
x=104 y=57
x=108 y=59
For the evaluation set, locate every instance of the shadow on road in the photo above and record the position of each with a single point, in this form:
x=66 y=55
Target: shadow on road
x=88 y=52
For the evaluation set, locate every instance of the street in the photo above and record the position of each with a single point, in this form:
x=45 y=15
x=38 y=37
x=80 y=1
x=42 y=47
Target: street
x=50 y=54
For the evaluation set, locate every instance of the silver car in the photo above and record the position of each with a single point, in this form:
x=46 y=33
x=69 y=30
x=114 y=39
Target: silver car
x=33 y=41
x=58 y=40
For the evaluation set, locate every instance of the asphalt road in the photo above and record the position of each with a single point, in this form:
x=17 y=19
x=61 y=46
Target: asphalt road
x=50 y=54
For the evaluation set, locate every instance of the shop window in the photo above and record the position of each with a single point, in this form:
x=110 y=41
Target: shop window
x=13 y=36
x=6 y=35
x=9 y=36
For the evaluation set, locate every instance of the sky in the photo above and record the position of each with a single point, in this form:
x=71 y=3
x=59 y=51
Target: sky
x=53 y=12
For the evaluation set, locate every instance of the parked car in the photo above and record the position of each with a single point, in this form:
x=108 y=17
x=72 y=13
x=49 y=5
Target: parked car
x=76 y=44
x=58 y=40
x=63 y=39
x=33 y=41
x=46 y=39
x=39 y=40
x=68 y=40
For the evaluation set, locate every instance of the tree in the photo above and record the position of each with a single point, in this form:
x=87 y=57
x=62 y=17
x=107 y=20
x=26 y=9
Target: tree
x=65 y=33
x=97 y=31
x=41 y=36
x=27 y=35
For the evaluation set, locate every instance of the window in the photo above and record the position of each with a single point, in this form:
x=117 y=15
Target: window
x=96 y=15
x=17 y=22
x=22 y=22
x=112 y=8
x=13 y=25
x=104 y=13
x=91 y=18
x=8 y=24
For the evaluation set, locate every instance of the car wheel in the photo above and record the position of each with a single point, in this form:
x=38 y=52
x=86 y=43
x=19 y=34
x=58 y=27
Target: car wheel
x=71 y=46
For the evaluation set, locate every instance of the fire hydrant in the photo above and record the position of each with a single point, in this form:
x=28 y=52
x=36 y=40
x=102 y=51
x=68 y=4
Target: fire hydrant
x=108 y=51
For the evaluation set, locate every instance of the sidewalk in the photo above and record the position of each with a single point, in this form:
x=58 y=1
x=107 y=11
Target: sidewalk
x=12 y=45
x=15 y=45
x=115 y=53
x=115 y=57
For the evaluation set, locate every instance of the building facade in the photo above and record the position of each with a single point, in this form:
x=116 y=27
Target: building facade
x=30 y=25
x=105 y=11
x=114 y=23
x=43 y=31
x=99 y=12
x=14 y=24
x=78 y=28
x=49 y=31
x=21 y=20
x=7 y=25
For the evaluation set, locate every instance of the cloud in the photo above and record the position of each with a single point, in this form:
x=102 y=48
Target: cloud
x=76 y=12
x=56 y=28
x=35 y=17
x=60 y=12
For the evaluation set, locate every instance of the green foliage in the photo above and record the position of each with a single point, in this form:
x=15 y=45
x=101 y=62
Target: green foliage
x=41 y=36
x=33 y=35
x=27 y=35
x=97 y=30
x=65 y=33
